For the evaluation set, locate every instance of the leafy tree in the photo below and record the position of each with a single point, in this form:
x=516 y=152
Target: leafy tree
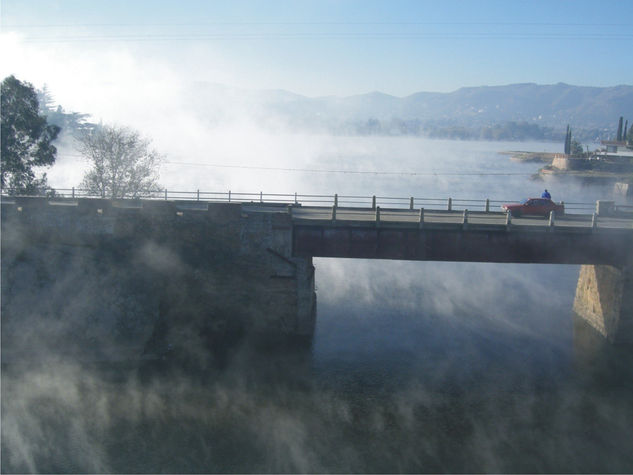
x=576 y=148
x=123 y=165
x=26 y=138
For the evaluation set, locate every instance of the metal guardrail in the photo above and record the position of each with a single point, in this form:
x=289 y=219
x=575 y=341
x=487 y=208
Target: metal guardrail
x=351 y=201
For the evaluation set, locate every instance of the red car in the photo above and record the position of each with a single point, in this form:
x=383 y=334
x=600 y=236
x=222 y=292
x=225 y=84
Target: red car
x=534 y=207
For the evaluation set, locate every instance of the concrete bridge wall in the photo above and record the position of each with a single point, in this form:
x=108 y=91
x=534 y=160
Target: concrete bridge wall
x=453 y=243
x=130 y=279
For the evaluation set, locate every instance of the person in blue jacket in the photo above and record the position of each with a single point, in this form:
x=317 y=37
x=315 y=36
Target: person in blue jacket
x=546 y=195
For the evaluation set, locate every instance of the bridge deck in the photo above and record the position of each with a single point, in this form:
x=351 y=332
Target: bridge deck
x=445 y=236
x=491 y=220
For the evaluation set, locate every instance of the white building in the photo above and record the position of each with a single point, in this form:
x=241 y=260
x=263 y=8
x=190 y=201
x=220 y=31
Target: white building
x=615 y=150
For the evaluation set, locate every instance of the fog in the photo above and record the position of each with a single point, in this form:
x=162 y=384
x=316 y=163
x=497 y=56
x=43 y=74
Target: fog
x=401 y=379
x=193 y=119
x=415 y=367
x=249 y=159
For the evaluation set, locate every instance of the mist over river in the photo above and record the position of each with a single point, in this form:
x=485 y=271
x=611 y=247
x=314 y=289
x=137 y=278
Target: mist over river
x=414 y=366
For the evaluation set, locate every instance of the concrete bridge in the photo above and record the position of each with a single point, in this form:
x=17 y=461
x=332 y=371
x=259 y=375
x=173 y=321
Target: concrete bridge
x=149 y=274
x=602 y=244
x=438 y=235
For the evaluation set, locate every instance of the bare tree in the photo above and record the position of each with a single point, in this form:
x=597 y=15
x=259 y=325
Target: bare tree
x=123 y=164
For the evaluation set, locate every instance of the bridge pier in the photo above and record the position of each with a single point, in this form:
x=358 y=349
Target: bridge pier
x=604 y=299
x=285 y=289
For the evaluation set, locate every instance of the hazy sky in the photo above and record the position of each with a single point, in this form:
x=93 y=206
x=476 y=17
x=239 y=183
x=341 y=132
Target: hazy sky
x=322 y=47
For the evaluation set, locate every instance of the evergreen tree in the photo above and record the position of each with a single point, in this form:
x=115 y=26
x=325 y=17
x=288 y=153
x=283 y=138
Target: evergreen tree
x=565 y=143
x=46 y=100
x=619 y=136
x=26 y=138
x=69 y=122
x=568 y=141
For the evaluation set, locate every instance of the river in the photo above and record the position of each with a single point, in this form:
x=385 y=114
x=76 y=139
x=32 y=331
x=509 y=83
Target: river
x=414 y=366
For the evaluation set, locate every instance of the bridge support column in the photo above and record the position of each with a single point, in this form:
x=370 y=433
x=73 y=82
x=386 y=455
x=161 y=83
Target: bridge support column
x=604 y=299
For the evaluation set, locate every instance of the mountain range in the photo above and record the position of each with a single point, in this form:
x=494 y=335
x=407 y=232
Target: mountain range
x=546 y=106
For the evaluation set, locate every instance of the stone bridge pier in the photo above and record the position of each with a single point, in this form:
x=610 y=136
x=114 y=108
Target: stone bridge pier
x=604 y=299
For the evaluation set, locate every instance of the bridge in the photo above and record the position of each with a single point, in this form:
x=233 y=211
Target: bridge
x=460 y=236
x=200 y=263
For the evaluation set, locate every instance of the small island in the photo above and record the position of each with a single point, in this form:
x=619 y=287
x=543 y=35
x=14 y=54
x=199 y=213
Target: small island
x=611 y=163
x=523 y=156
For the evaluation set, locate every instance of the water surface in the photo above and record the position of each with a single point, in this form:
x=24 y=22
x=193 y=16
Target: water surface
x=414 y=366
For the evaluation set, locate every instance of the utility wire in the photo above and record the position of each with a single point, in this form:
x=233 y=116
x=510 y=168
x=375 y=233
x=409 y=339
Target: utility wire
x=328 y=36
x=334 y=171
x=319 y=23
x=356 y=172
x=531 y=30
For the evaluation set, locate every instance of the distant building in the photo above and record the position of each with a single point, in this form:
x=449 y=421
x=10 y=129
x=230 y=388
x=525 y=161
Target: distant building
x=614 y=150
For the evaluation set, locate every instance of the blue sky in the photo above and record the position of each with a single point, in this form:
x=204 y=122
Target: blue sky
x=132 y=62
x=331 y=47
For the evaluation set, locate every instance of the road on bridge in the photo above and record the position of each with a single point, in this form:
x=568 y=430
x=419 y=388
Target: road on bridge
x=307 y=214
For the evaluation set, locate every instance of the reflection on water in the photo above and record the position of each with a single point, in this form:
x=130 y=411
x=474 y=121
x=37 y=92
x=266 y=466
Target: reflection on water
x=502 y=380
x=415 y=367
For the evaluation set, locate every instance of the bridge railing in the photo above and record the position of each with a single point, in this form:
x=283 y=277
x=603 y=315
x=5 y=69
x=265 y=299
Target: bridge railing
x=352 y=201
x=580 y=208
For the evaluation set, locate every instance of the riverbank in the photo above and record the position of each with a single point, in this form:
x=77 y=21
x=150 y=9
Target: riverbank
x=598 y=175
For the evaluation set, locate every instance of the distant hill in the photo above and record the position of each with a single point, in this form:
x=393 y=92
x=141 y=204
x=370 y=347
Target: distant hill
x=544 y=109
x=586 y=107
